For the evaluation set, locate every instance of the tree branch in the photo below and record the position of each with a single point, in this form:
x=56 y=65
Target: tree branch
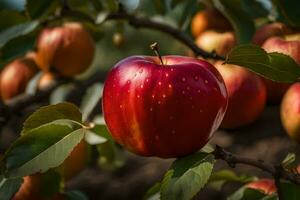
x=233 y=159
x=141 y=22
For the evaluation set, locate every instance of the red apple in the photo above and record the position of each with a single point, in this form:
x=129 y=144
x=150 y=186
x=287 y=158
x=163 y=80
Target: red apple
x=246 y=95
x=165 y=110
x=290 y=112
x=267 y=186
x=289 y=45
x=269 y=30
x=67 y=50
x=211 y=40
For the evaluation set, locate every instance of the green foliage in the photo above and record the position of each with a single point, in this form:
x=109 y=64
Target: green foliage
x=153 y=192
x=50 y=183
x=290 y=191
x=8 y=187
x=274 y=66
x=35 y=9
x=243 y=25
x=289 y=9
x=187 y=176
x=245 y=193
x=289 y=161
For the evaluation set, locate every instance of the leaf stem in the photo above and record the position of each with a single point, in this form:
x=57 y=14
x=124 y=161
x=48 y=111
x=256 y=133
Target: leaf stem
x=154 y=47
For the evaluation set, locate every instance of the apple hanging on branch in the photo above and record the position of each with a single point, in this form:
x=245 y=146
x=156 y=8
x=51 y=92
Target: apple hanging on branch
x=163 y=106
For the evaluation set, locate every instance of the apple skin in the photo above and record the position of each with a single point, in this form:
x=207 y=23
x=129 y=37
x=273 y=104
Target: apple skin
x=15 y=76
x=45 y=80
x=289 y=46
x=269 y=30
x=211 y=40
x=168 y=110
x=290 y=112
x=209 y=19
x=246 y=95
x=267 y=186
x=67 y=50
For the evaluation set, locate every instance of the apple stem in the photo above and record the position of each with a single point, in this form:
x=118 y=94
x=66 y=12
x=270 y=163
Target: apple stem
x=154 y=47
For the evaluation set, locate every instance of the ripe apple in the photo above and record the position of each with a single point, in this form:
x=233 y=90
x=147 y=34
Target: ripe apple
x=166 y=107
x=267 y=186
x=288 y=45
x=209 y=18
x=290 y=115
x=211 y=40
x=67 y=50
x=45 y=80
x=246 y=95
x=15 y=76
x=269 y=30
x=75 y=162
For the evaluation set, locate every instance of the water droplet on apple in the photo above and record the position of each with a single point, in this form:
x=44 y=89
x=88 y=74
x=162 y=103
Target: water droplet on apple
x=183 y=92
x=167 y=75
x=159 y=102
x=159 y=82
x=164 y=95
x=199 y=91
x=152 y=96
x=138 y=96
x=206 y=81
x=121 y=106
x=142 y=86
x=128 y=82
x=151 y=109
x=172 y=69
x=196 y=78
x=147 y=80
x=188 y=88
x=170 y=86
x=183 y=79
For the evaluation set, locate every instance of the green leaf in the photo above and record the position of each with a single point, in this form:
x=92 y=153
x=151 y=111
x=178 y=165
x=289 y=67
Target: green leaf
x=274 y=66
x=50 y=183
x=187 y=176
x=289 y=160
x=94 y=139
x=51 y=113
x=24 y=44
x=290 y=191
x=42 y=148
x=11 y=17
x=8 y=187
x=228 y=175
x=90 y=100
x=37 y=8
x=245 y=193
x=254 y=8
x=153 y=192
x=243 y=25
x=61 y=93
x=16 y=31
x=289 y=10
x=75 y=195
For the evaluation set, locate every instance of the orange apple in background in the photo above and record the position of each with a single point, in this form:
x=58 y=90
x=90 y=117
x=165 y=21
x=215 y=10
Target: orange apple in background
x=267 y=186
x=289 y=45
x=211 y=40
x=15 y=77
x=290 y=112
x=269 y=30
x=46 y=80
x=246 y=95
x=67 y=50
x=209 y=18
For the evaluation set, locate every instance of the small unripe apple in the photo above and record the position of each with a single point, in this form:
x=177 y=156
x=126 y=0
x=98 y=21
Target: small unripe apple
x=75 y=162
x=209 y=18
x=15 y=76
x=211 y=40
x=267 y=186
x=46 y=80
x=288 y=45
x=290 y=112
x=67 y=50
x=165 y=108
x=269 y=30
x=246 y=95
